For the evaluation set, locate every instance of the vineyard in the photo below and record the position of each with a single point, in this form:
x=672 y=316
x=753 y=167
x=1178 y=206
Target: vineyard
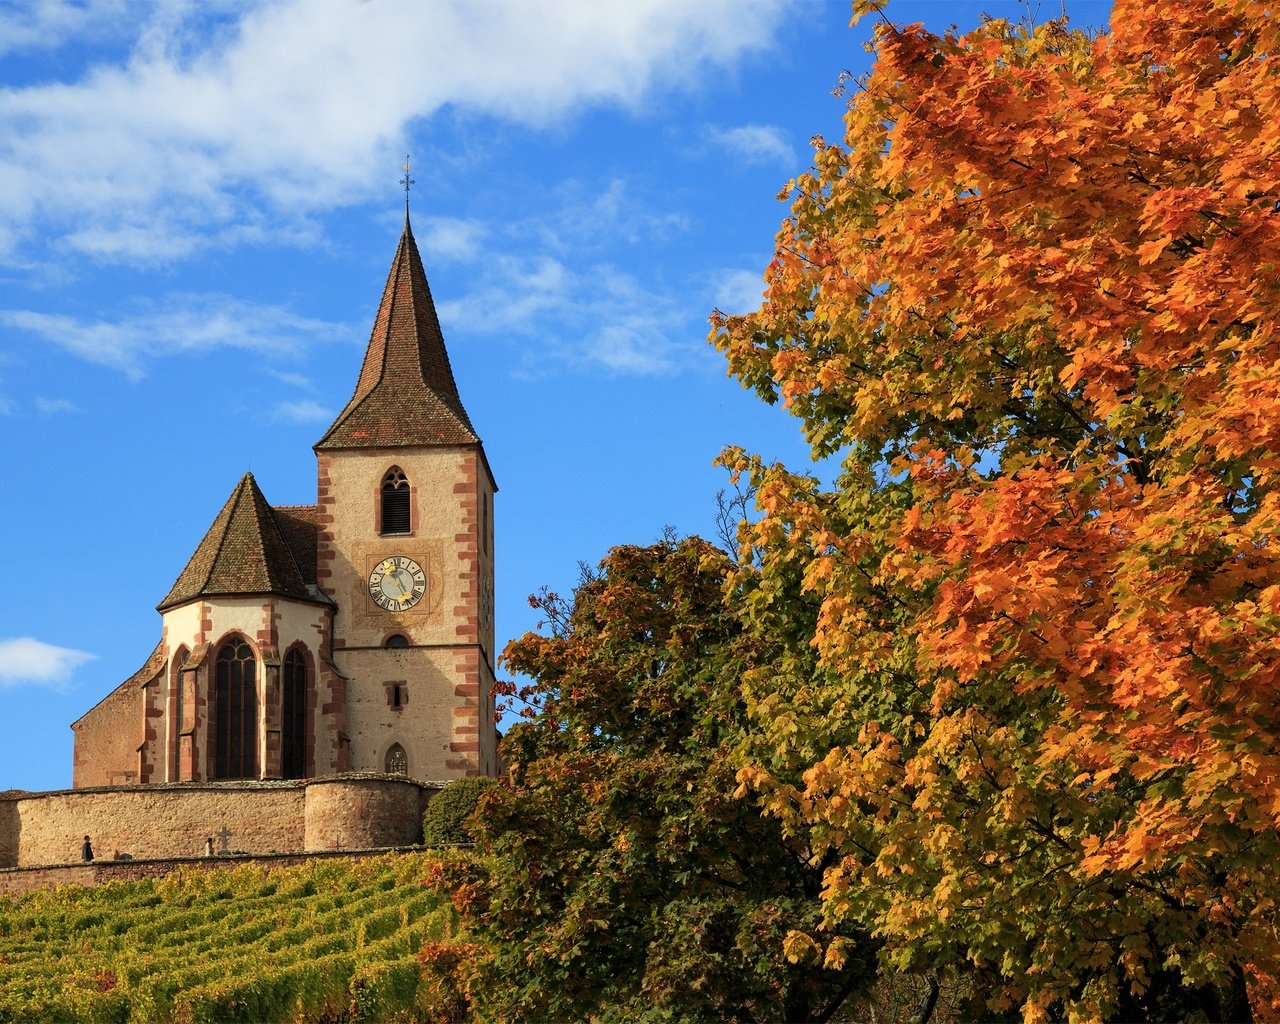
x=331 y=940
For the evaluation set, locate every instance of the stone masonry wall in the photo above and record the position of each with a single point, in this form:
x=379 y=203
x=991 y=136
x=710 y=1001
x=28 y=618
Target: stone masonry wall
x=107 y=739
x=173 y=820
x=15 y=881
x=358 y=813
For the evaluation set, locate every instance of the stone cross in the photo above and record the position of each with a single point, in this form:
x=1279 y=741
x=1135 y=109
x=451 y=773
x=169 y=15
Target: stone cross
x=223 y=835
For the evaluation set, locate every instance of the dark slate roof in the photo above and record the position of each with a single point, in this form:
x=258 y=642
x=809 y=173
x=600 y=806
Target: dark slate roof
x=244 y=552
x=406 y=394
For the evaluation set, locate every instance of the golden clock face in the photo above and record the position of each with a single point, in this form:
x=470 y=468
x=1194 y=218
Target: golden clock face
x=397 y=583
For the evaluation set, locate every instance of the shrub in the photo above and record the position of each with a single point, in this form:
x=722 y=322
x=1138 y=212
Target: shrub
x=445 y=820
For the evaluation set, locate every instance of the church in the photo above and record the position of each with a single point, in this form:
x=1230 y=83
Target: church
x=352 y=635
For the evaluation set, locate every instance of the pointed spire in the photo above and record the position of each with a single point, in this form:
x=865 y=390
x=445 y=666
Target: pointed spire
x=405 y=395
x=244 y=552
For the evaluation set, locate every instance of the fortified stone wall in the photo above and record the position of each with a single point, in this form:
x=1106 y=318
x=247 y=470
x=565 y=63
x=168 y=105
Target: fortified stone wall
x=375 y=812
x=16 y=881
x=173 y=820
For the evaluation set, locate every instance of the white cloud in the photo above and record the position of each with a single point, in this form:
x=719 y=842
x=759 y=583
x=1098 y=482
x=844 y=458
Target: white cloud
x=296 y=380
x=596 y=317
x=53 y=406
x=303 y=411
x=214 y=127
x=738 y=291
x=186 y=323
x=49 y=24
x=452 y=240
x=584 y=222
x=756 y=144
x=513 y=292
x=26 y=660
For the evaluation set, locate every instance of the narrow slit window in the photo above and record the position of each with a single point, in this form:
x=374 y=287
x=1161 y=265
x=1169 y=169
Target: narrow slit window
x=395 y=502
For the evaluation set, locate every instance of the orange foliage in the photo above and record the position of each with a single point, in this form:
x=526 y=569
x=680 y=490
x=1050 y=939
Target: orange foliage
x=1034 y=299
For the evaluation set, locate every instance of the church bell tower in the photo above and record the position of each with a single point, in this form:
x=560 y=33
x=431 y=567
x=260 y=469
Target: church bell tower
x=404 y=549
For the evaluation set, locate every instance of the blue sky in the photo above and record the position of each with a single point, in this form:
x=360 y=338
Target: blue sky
x=198 y=207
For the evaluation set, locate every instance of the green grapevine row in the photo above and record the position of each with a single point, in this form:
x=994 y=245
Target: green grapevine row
x=331 y=939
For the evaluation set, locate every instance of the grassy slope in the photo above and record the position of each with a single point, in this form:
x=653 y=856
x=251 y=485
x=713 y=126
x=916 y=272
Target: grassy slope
x=329 y=940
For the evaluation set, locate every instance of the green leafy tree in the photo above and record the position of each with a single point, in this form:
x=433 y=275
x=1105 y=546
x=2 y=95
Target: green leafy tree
x=619 y=878
x=446 y=817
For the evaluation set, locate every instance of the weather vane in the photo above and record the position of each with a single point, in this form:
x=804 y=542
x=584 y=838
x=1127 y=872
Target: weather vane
x=407 y=182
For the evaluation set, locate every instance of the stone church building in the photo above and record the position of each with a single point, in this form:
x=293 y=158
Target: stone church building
x=352 y=635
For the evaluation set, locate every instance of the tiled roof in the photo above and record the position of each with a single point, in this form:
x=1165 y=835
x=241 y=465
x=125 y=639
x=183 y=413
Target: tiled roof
x=298 y=526
x=406 y=394
x=245 y=552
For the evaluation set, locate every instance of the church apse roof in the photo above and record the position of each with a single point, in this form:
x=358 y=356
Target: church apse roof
x=250 y=549
x=406 y=394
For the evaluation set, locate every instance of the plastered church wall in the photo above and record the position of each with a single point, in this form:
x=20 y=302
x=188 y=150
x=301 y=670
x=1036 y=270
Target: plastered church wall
x=271 y=627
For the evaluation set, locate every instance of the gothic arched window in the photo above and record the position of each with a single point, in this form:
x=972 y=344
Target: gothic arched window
x=179 y=710
x=235 y=712
x=293 y=717
x=395 y=502
x=397 y=760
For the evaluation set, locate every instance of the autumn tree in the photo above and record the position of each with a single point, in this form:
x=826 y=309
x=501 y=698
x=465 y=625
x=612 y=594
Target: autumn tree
x=616 y=877
x=1031 y=305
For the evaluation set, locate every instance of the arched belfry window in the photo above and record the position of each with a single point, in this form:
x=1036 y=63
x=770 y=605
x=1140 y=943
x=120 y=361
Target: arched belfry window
x=395 y=502
x=397 y=760
x=235 y=712
x=293 y=717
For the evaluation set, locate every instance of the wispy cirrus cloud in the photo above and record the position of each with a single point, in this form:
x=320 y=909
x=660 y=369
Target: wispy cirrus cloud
x=27 y=661
x=595 y=316
x=585 y=220
x=550 y=280
x=297 y=380
x=302 y=411
x=756 y=144
x=50 y=24
x=54 y=406
x=223 y=124
x=452 y=240
x=182 y=324
x=738 y=291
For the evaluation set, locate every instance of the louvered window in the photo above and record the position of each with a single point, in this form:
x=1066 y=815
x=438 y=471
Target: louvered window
x=395 y=502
